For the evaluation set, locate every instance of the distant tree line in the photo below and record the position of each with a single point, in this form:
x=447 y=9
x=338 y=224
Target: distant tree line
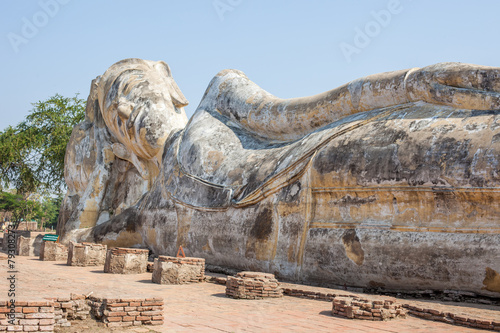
x=32 y=159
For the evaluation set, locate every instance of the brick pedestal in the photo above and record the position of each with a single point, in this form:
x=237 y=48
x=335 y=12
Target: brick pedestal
x=173 y=270
x=52 y=251
x=368 y=308
x=86 y=254
x=126 y=261
x=253 y=285
x=29 y=245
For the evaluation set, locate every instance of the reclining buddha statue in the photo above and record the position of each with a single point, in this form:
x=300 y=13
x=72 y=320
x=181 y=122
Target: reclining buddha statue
x=390 y=181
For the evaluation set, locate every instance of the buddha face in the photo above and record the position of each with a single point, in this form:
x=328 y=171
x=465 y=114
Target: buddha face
x=141 y=105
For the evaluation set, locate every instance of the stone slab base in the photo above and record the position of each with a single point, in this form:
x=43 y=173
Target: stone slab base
x=173 y=270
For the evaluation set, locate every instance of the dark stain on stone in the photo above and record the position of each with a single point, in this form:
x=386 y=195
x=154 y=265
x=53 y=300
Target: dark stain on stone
x=375 y=284
x=491 y=280
x=393 y=156
x=495 y=138
x=263 y=225
x=290 y=193
x=349 y=200
x=127 y=220
x=353 y=248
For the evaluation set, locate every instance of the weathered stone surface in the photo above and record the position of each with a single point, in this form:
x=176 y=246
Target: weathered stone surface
x=114 y=156
x=86 y=254
x=29 y=245
x=126 y=261
x=172 y=270
x=52 y=251
x=389 y=181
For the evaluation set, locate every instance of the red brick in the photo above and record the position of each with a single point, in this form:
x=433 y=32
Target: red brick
x=114 y=319
x=151 y=313
x=119 y=324
x=112 y=305
x=128 y=318
x=152 y=303
x=47 y=322
x=67 y=305
x=157 y=318
x=156 y=322
x=30 y=310
x=30 y=328
x=46 y=309
x=28 y=322
x=135 y=304
x=143 y=318
x=40 y=315
x=40 y=303
x=128 y=300
x=116 y=314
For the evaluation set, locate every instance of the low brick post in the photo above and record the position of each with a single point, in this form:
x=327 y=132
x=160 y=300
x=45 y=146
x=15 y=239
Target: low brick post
x=52 y=251
x=174 y=270
x=86 y=254
x=126 y=261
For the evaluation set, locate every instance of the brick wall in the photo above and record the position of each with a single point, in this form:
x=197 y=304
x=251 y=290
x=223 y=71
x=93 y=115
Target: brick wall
x=43 y=316
x=127 y=311
x=29 y=316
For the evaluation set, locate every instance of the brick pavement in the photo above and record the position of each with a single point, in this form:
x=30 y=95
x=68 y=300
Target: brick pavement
x=199 y=307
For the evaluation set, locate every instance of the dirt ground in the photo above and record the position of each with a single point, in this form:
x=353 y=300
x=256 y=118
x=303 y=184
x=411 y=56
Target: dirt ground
x=200 y=307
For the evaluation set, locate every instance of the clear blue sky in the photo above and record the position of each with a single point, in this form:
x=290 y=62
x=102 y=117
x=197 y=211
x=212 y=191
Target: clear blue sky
x=290 y=48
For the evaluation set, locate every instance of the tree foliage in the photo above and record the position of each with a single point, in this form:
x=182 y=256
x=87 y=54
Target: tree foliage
x=22 y=209
x=43 y=209
x=32 y=153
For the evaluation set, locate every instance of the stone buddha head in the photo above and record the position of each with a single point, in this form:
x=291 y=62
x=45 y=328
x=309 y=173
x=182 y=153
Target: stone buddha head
x=141 y=105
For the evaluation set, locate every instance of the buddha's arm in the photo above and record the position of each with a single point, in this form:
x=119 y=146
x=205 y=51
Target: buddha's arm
x=459 y=85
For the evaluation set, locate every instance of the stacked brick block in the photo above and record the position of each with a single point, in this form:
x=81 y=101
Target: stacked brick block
x=126 y=261
x=86 y=254
x=174 y=270
x=368 y=308
x=52 y=251
x=253 y=285
x=36 y=316
x=127 y=312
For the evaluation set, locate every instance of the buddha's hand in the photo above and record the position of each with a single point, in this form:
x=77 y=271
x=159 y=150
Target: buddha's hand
x=455 y=84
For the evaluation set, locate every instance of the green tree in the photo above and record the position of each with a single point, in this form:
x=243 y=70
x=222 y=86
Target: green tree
x=32 y=153
x=49 y=212
x=22 y=209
